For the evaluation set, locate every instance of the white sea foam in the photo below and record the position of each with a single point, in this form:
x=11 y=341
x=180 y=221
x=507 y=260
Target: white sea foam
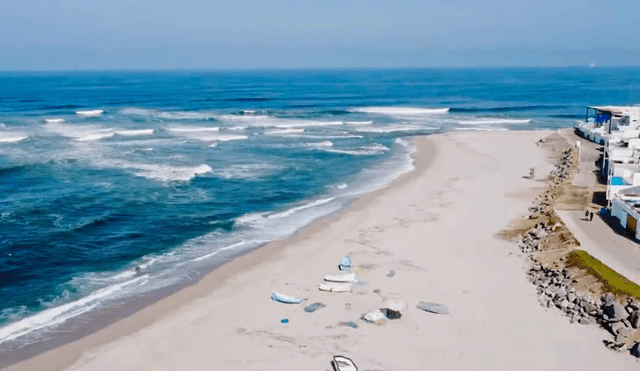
x=395 y=128
x=131 y=133
x=12 y=137
x=54 y=121
x=230 y=247
x=342 y=186
x=374 y=149
x=219 y=137
x=168 y=115
x=251 y=220
x=205 y=134
x=324 y=144
x=293 y=210
x=404 y=143
x=193 y=129
x=238 y=128
x=247 y=171
x=95 y=136
x=168 y=173
x=269 y=121
x=95 y=112
x=57 y=315
x=358 y=122
x=343 y=136
x=258 y=220
x=400 y=111
x=79 y=132
x=284 y=131
x=490 y=121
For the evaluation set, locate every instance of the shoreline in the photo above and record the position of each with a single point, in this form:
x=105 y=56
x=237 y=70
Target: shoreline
x=82 y=326
x=181 y=294
x=388 y=228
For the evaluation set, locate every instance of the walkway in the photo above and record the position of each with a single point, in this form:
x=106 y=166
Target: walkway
x=602 y=238
x=587 y=175
x=602 y=242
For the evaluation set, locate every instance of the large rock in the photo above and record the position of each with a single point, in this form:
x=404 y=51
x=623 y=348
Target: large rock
x=634 y=319
x=635 y=350
x=616 y=328
x=615 y=311
x=607 y=298
x=540 y=233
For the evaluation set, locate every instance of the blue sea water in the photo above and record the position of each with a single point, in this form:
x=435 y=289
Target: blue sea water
x=176 y=172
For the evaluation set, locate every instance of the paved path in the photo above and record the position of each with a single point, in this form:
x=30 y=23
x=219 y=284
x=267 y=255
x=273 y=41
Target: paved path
x=603 y=237
x=587 y=175
x=602 y=242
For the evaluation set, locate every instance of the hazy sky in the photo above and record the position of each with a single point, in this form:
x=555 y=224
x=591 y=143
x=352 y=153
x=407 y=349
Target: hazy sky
x=138 y=34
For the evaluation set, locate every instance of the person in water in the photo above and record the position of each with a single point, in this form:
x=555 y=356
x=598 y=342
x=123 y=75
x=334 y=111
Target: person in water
x=137 y=270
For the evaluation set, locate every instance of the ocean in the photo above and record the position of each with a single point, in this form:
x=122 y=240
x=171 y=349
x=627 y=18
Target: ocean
x=177 y=172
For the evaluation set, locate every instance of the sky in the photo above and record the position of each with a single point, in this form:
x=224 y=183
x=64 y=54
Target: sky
x=214 y=34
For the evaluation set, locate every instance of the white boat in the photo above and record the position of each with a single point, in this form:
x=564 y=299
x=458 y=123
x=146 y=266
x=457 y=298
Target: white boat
x=335 y=287
x=433 y=307
x=95 y=112
x=349 y=277
x=341 y=363
x=282 y=298
x=345 y=263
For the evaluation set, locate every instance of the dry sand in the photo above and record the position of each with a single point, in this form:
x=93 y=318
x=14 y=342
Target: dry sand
x=436 y=227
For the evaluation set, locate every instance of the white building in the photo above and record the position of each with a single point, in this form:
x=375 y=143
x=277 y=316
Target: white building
x=626 y=207
x=617 y=128
x=605 y=120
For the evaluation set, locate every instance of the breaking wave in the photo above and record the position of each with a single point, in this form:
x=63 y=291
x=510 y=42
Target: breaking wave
x=96 y=112
x=401 y=111
x=269 y=121
x=168 y=115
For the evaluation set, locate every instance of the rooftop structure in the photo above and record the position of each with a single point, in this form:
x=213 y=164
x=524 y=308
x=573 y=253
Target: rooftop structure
x=603 y=121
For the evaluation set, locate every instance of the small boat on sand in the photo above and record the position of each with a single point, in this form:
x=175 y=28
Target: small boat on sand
x=286 y=299
x=433 y=307
x=349 y=277
x=345 y=263
x=341 y=363
x=335 y=287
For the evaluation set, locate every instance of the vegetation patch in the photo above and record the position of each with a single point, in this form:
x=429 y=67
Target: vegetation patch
x=611 y=281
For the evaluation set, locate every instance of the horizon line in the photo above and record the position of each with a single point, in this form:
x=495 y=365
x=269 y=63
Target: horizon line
x=257 y=69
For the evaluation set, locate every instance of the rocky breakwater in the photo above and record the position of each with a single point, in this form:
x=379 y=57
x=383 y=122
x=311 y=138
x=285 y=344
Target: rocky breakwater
x=546 y=244
x=554 y=287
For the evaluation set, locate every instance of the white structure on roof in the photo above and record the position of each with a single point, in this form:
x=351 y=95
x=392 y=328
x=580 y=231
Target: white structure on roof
x=626 y=207
x=624 y=121
x=617 y=128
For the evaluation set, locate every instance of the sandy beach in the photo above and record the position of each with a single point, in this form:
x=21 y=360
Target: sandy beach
x=436 y=227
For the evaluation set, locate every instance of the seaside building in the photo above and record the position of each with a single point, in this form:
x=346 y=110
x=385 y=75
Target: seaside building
x=617 y=128
x=626 y=207
x=601 y=121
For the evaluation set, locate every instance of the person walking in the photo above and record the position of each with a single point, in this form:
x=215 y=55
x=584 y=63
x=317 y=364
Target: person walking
x=590 y=215
x=586 y=215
